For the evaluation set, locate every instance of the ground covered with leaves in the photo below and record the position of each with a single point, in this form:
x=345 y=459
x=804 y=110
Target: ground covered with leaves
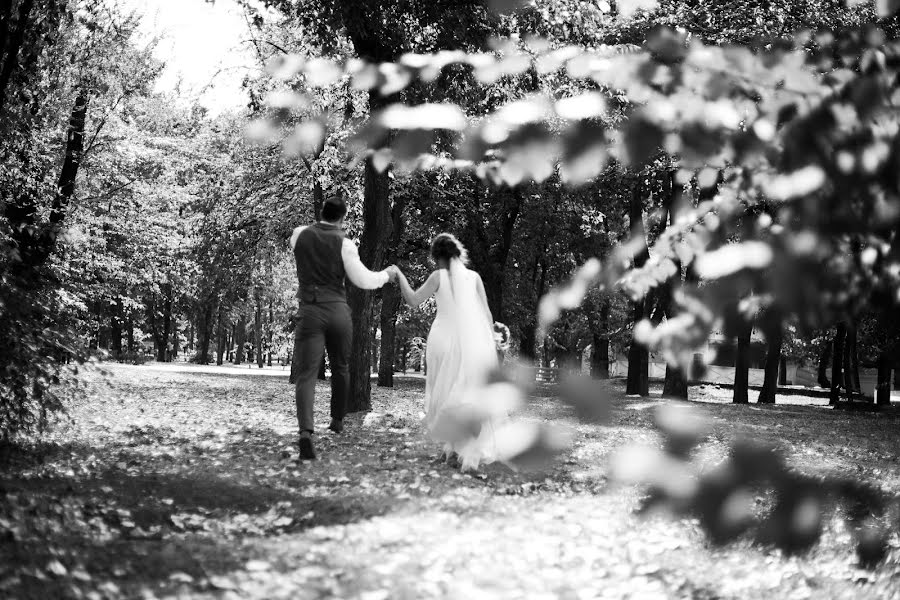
x=185 y=483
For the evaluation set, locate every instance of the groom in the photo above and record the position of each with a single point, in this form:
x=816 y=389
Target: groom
x=324 y=257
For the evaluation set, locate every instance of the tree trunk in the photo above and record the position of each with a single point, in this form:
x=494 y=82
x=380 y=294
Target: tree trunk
x=851 y=363
x=69 y=173
x=271 y=333
x=824 y=359
x=782 y=370
x=204 y=328
x=323 y=372
x=220 y=338
x=742 y=364
x=376 y=231
x=115 y=328
x=258 y=335
x=837 y=355
x=883 y=388
x=599 y=357
x=175 y=337
x=390 y=299
x=129 y=334
x=240 y=338
x=162 y=354
x=403 y=354
x=638 y=382
x=675 y=384
x=773 y=362
x=390 y=304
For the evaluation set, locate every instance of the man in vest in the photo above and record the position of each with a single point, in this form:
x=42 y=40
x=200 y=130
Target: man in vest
x=324 y=257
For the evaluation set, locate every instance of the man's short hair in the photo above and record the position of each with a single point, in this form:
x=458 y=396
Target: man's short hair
x=334 y=208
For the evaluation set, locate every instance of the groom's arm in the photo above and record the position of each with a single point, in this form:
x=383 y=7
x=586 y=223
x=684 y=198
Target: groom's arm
x=357 y=272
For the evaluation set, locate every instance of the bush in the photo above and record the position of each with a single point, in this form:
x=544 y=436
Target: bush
x=39 y=357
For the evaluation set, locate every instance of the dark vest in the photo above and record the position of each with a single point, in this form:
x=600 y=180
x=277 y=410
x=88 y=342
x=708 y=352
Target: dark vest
x=320 y=268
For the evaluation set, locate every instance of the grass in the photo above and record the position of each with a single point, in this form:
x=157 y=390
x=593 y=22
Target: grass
x=169 y=483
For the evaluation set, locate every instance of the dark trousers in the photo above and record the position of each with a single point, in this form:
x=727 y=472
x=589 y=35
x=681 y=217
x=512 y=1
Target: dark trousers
x=320 y=327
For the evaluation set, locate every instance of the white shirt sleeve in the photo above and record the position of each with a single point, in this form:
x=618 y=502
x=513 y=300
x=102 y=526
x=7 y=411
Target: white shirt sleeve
x=357 y=272
x=295 y=235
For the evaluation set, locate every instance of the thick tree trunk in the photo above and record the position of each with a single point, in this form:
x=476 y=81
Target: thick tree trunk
x=824 y=359
x=742 y=364
x=390 y=299
x=204 y=331
x=773 y=362
x=837 y=356
x=390 y=304
x=675 y=384
x=376 y=231
x=782 y=370
x=638 y=382
x=883 y=388
x=240 y=338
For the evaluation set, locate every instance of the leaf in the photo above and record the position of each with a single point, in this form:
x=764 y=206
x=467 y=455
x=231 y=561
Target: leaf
x=800 y=183
x=530 y=446
x=308 y=138
x=589 y=398
x=257 y=566
x=589 y=105
x=627 y=8
x=884 y=8
x=321 y=72
x=285 y=66
x=57 y=568
x=732 y=258
x=423 y=116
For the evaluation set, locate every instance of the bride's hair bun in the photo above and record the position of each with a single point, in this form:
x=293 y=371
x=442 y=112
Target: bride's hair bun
x=446 y=246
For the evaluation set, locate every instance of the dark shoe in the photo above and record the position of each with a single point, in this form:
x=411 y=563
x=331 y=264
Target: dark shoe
x=337 y=425
x=307 y=452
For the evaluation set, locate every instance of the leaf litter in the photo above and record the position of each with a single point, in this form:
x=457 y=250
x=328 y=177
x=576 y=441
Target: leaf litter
x=168 y=484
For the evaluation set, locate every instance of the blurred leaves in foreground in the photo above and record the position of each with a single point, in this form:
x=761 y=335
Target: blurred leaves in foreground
x=752 y=493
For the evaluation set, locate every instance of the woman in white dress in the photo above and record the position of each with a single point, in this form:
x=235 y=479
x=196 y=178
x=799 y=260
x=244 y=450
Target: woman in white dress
x=460 y=355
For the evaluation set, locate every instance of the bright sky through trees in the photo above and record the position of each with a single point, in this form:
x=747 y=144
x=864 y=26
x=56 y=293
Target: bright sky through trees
x=205 y=47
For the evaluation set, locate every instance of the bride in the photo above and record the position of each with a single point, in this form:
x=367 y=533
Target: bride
x=460 y=354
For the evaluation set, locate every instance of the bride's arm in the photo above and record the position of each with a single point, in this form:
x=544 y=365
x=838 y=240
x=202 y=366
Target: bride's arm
x=483 y=296
x=417 y=297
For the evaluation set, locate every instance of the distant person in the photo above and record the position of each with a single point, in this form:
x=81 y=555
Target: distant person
x=324 y=257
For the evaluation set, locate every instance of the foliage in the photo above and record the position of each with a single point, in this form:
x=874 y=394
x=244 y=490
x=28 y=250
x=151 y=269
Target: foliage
x=793 y=137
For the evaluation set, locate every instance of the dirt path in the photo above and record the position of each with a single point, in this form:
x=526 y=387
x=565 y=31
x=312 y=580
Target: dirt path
x=185 y=484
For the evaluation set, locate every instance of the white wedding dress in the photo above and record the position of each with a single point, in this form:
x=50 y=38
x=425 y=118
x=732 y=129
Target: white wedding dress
x=460 y=354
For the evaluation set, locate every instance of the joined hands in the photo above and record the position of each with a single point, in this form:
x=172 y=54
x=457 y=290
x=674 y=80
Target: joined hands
x=393 y=272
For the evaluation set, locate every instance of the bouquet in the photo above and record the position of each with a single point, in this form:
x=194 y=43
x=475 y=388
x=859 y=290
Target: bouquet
x=501 y=336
